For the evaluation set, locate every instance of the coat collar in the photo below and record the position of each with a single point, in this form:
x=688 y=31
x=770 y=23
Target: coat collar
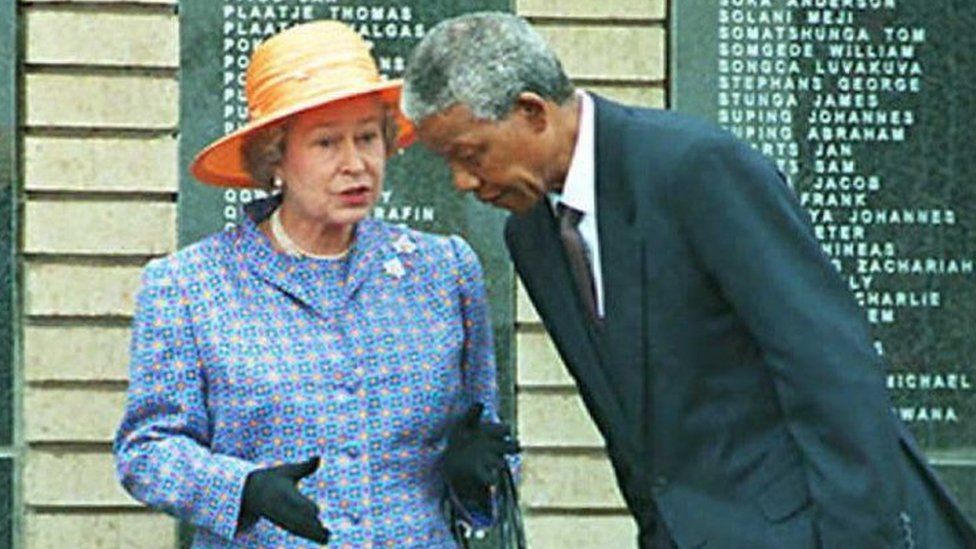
x=372 y=252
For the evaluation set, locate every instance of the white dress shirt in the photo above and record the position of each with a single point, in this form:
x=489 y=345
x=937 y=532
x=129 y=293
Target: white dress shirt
x=579 y=189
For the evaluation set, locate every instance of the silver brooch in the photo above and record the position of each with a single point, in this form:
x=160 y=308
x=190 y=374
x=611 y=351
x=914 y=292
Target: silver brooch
x=394 y=268
x=404 y=245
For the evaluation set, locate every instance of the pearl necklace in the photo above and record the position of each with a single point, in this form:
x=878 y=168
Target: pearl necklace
x=288 y=245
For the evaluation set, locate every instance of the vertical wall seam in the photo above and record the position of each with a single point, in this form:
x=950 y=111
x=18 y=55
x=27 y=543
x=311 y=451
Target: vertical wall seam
x=10 y=179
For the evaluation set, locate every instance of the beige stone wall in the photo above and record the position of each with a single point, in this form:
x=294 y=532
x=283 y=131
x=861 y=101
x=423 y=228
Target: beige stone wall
x=101 y=104
x=100 y=171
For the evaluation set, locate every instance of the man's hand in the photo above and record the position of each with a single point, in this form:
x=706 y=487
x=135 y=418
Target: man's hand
x=475 y=454
x=273 y=493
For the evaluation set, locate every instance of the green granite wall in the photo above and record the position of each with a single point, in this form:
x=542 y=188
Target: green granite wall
x=9 y=326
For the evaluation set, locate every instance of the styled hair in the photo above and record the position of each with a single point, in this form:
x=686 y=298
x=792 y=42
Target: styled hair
x=482 y=61
x=263 y=150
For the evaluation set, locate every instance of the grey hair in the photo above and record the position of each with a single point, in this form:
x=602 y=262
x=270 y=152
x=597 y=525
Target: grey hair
x=263 y=150
x=482 y=61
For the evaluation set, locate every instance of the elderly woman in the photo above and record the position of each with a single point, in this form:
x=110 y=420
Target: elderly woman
x=313 y=373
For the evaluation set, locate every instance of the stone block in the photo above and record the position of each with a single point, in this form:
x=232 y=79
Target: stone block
x=68 y=478
x=101 y=38
x=569 y=481
x=641 y=96
x=54 y=289
x=588 y=9
x=580 y=531
x=525 y=312
x=160 y=2
x=555 y=420
x=609 y=53
x=96 y=164
x=539 y=364
x=101 y=101
x=93 y=530
x=76 y=353
x=102 y=228
x=72 y=415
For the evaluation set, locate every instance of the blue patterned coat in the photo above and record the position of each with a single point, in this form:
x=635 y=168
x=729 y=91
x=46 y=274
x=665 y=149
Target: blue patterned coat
x=244 y=357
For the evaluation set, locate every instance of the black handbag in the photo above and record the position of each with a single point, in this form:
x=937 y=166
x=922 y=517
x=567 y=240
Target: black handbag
x=507 y=532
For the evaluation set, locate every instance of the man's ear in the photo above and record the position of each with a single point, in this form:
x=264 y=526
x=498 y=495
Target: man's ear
x=534 y=110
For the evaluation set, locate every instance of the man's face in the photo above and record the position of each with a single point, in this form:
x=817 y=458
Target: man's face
x=503 y=163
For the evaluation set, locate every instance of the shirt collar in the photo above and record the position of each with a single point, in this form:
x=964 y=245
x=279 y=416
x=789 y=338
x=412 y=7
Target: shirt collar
x=579 y=187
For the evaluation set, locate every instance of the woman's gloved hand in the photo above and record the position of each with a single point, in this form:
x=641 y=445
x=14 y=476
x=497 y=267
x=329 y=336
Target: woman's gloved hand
x=273 y=493
x=475 y=454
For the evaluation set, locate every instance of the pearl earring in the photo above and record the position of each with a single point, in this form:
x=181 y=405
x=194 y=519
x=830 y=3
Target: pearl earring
x=277 y=182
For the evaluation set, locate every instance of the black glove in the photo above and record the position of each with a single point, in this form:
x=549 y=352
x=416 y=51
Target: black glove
x=273 y=493
x=475 y=454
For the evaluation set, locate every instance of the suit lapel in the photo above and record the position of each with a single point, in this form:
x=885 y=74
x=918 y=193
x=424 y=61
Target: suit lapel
x=534 y=245
x=603 y=361
x=621 y=248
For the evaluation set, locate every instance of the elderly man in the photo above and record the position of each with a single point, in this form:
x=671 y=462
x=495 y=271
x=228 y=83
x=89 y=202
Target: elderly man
x=720 y=354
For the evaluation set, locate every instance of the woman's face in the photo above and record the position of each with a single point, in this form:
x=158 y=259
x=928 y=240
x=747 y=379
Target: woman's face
x=333 y=162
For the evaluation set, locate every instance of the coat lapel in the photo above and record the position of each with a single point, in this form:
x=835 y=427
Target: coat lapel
x=277 y=269
x=534 y=245
x=295 y=276
x=371 y=252
x=622 y=256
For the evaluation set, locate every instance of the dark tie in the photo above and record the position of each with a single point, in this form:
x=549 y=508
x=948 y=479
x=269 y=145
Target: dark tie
x=576 y=251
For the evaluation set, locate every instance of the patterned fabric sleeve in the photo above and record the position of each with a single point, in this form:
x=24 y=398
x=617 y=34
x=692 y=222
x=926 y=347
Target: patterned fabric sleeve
x=161 y=447
x=477 y=363
x=478 y=360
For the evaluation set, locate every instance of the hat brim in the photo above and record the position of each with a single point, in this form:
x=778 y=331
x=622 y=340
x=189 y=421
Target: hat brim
x=222 y=162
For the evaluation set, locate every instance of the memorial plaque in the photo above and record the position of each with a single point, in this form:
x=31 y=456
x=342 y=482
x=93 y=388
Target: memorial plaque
x=217 y=38
x=868 y=107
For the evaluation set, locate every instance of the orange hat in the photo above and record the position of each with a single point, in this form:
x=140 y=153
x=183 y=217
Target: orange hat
x=304 y=67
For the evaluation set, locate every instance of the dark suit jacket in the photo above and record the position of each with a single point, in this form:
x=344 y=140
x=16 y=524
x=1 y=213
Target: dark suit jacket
x=734 y=378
